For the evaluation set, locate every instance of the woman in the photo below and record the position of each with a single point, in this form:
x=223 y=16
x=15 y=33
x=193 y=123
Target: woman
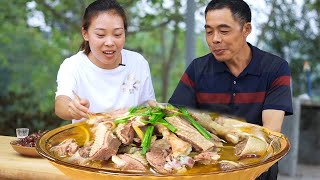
x=102 y=76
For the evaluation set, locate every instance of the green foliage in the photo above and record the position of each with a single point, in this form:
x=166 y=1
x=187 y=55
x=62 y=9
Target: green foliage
x=157 y=55
x=29 y=63
x=294 y=38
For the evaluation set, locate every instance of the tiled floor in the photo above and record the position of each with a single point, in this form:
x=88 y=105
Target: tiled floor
x=305 y=172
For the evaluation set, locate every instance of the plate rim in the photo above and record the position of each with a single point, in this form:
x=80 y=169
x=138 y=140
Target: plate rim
x=43 y=139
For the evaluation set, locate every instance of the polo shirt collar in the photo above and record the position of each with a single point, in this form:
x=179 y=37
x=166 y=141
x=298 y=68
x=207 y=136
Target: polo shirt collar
x=219 y=66
x=253 y=67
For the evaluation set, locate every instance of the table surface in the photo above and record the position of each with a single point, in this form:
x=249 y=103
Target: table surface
x=15 y=166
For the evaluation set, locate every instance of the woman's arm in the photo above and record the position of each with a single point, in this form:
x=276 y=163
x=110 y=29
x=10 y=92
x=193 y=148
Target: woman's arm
x=61 y=107
x=272 y=119
x=69 y=109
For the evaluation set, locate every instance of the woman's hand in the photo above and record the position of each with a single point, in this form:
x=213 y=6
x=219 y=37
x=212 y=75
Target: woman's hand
x=79 y=108
x=69 y=109
x=152 y=103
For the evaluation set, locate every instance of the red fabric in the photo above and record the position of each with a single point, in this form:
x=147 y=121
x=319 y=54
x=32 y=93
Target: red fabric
x=257 y=97
x=281 y=81
x=186 y=80
x=214 y=98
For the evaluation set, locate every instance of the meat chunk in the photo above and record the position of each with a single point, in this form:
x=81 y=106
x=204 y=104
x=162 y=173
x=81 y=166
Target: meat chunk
x=105 y=145
x=231 y=134
x=188 y=133
x=77 y=159
x=157 y=155
x=130 y=162
x=125 y=133
x=207 y=158
x=178 y=146
x=85 y=150
x=178 y=164
x=66 y=148
x=97 y=118
x=251 y=145
x=226 y=165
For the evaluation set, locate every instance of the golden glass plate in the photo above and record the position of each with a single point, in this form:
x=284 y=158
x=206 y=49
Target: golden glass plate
x=23 y=150
x=251 y=171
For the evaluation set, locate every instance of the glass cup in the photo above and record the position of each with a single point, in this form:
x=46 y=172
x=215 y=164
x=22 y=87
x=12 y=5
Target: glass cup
x=22 y=132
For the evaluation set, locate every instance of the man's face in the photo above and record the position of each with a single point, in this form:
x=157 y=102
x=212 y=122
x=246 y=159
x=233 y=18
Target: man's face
x=225 y=36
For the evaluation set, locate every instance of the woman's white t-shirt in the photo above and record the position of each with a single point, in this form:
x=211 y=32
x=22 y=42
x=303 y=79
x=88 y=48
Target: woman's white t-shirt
x=106 y=90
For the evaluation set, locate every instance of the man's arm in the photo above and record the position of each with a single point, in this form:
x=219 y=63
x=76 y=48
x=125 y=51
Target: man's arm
x=278 y=101
x=272 y=119
x=185 y=94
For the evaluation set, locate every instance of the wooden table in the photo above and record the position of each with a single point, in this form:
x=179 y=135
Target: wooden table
x=16 y=166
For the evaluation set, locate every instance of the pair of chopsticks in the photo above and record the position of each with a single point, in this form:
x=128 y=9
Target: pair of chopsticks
x=76 y=95
x=78 y=98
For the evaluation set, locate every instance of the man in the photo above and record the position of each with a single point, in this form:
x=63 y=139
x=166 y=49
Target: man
x=236 y=78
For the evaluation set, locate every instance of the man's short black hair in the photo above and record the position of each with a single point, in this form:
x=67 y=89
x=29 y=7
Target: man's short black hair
x=240 y=10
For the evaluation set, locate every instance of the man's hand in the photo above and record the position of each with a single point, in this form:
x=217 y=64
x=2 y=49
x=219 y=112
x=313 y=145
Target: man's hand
x=272 y=119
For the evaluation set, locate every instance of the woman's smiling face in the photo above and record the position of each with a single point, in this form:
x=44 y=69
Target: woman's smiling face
x=106 y=37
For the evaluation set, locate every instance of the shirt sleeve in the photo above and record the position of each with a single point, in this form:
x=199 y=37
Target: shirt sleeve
x=147 y=91
x=279 y=92
x=66 y=80
x=185 y=93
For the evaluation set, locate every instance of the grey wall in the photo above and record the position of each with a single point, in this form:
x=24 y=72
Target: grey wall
x=309 y=139
x=303 y=131
x=290 y=128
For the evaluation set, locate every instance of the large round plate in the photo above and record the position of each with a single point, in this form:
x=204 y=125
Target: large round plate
x=75 y=171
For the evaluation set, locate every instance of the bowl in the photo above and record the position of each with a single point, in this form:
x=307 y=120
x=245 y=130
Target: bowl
x=250 y=171
x=23 y=150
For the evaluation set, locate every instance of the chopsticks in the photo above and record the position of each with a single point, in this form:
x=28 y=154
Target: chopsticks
x=78 y=98
x=76 y=95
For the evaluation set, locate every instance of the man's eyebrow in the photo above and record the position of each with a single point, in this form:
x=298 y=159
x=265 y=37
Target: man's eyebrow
x=219 y=26
x=207 y=26
x=223 y=26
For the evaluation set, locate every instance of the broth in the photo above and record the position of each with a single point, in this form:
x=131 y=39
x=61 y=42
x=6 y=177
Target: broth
x=226 y=153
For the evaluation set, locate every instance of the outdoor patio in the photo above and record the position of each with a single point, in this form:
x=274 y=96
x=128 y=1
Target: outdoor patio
x=302 y=129
x=304 y=172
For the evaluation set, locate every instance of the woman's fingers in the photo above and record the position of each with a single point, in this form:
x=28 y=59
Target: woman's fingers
x=78 y=110
x=152 y=103
x=85 y=102
x=73 y=114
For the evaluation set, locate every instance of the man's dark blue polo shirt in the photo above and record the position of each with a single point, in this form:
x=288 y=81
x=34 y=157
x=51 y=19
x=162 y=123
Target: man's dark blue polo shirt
x=263 y=84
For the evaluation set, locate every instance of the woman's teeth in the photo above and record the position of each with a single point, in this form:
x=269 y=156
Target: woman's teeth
x=108 y=52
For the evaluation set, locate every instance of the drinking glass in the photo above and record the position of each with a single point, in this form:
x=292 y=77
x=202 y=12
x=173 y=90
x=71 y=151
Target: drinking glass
x=22 y=132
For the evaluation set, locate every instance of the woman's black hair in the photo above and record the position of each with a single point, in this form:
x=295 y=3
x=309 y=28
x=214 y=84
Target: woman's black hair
x=93 y=10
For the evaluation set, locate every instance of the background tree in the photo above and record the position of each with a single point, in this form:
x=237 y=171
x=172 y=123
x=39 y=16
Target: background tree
x=292 y=32
x=27 y=74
